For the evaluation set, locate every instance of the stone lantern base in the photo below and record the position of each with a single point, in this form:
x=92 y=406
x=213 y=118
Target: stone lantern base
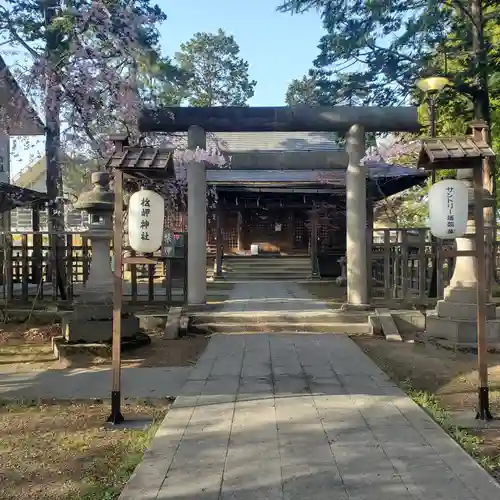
x=461 y=332
x=93 y=323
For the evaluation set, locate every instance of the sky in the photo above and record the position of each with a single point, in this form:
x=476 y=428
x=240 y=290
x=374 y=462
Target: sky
x=279 y=47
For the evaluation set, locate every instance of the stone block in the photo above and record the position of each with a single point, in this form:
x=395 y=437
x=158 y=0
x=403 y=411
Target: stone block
x=464 y=294
x=152 y=321
x=462 y=311
x=88 y=312
x=77 y=330
x=460 y=331
x=173 y=323
x=409 y=322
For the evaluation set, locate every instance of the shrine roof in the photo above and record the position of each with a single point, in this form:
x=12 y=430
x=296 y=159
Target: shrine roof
x=334 y=177
x=157 y=163
x=12 y=197
x=16 y=112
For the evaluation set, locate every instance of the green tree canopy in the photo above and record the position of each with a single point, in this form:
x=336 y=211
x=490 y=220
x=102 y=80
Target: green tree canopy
x=216 y=74
x=376 y=49
x=303 y=91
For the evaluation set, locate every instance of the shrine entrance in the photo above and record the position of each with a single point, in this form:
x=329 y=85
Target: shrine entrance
x=269 y=228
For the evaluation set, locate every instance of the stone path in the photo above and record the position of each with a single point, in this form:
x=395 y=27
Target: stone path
x=309 y=417
x=92 y=383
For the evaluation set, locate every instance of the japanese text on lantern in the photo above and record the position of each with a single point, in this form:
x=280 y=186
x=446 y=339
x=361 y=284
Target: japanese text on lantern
x=145 y=213
x=450 y=192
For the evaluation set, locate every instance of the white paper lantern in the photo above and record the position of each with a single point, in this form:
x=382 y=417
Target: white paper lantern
x=146 y=212
x=448 y=209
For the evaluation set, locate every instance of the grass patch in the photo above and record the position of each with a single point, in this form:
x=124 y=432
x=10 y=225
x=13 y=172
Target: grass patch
x=61 y=451
x=470 y=442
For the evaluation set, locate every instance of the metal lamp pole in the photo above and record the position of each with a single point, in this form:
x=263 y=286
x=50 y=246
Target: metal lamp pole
x=432 y=86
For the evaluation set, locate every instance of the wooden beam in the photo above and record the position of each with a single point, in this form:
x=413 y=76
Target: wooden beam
x=150 y=261
x=288 y=160
x=300 y=118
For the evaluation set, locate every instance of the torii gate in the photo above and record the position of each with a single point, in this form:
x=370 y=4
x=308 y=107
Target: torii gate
x=354 y=121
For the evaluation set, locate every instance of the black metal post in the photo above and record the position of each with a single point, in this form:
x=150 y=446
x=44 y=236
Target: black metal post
x=433 y=292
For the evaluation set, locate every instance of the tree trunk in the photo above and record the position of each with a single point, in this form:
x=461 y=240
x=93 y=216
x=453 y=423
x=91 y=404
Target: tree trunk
x=53 y=145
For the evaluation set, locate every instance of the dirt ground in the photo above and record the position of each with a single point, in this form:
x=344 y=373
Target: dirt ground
x=29 y=347
x=450 y=375
x=63 y=451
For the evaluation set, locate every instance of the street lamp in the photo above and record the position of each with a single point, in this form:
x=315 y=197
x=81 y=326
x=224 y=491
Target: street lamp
x=432 y=86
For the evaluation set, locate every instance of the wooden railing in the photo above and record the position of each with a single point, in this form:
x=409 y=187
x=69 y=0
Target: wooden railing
x=402 y=268
x=404 y=260
x=28 y=271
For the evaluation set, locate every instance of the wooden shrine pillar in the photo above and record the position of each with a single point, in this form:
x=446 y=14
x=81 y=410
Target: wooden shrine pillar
x=239 y=230
x=314 y=218
x=219 y=240
x=37 y=262
x=291 y=229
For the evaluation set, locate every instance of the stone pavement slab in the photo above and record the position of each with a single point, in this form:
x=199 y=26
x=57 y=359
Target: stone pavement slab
x=92 y=383
x=309 y=417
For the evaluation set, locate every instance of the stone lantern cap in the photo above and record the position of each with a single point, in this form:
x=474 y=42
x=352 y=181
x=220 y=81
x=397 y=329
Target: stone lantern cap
x=100 y=199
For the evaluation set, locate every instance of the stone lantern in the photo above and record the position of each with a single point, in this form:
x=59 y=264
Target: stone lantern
x=92 y=319
x=99 y=204
x=455 y=317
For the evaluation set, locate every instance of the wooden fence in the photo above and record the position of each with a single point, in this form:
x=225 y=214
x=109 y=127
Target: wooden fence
x=404 y=260
x=28 y=271
x=402 y=268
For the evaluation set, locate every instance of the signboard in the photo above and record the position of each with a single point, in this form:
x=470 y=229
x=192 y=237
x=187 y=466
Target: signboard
x=173 y=244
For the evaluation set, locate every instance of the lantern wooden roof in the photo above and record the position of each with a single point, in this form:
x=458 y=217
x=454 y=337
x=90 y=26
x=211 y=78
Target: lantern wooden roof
x=143 y=162
x=453 y=152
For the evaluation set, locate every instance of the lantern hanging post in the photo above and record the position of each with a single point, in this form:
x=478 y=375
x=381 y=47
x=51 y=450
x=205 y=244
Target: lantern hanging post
x=483 y=412
x=116 y=416
x=448 y=223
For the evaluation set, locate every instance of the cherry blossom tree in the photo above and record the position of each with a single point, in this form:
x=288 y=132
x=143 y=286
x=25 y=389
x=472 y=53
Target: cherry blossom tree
x=90 y=65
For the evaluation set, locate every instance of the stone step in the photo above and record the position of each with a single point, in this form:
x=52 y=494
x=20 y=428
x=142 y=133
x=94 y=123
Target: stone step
x=264 y=258
x=388 y=325
x=291 y=317
x=281 y=327
x=263 y=276
x=267 y=265
x=259 y=261
x=266 y=269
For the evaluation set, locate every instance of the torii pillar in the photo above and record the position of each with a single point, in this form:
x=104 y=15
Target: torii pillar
x=197 y=221
x=358 y=279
